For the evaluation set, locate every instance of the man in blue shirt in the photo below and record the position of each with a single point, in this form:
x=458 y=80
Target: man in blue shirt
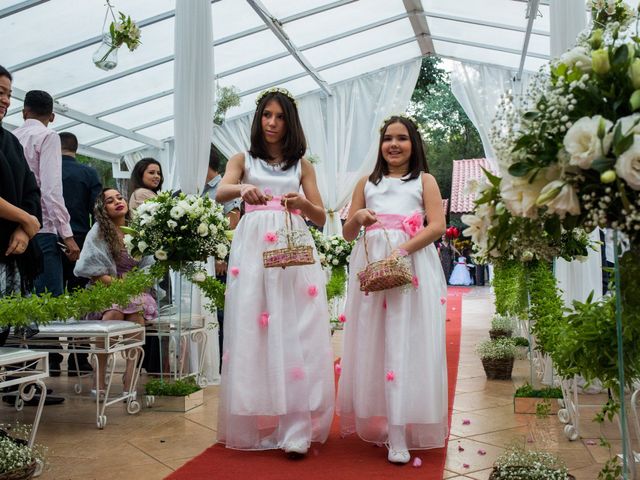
x=80 y=188
x=232 y=211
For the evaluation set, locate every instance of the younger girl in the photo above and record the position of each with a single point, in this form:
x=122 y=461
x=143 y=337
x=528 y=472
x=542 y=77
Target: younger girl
x=277 y=387
x=146 y=181
x=393 y=386
x=103 y=258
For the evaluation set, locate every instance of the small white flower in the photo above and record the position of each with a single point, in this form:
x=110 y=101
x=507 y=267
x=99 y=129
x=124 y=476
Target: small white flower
x=172 y=224
x=577 y=57
x=177 y=212
x=221 y=250
x=213 y=229
x=335 y=261
x=203 y=231
x=142 y=246
x=199 y=276
x=128 y=241
x=161 y=255
x=582 y=142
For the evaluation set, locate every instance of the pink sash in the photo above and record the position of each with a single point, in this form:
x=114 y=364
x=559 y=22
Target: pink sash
x=273 y=205
x=411 y=224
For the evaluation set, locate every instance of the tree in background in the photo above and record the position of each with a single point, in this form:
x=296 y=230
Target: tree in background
x=105 y=173
x=446 y=129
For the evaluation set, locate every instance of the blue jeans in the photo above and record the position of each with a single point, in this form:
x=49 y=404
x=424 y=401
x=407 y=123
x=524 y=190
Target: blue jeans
x=50 y=280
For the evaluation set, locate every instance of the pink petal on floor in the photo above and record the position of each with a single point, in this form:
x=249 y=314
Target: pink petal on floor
x=482 y=452
x=460 y=448
x=591 y=442
x=466 y=421
x=417 y=462
x=465 y=465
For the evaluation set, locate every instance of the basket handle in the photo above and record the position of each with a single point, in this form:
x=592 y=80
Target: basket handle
x=386 y=236
x=287 y=224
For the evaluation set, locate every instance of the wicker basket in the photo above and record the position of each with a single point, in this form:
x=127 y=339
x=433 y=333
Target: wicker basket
x=494 y=473
x=498 y=369
x=291 y=255
x=24 y=473
x=384 y=274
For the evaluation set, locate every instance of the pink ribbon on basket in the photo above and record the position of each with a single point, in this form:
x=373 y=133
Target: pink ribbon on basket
x=411 y=224
x=273 y=205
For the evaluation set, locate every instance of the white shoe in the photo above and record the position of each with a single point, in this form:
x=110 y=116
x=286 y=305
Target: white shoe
x=398 y=456
x=295 y=450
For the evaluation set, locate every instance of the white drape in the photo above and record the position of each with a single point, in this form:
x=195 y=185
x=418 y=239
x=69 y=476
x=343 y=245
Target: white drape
x=478 y=89
x=567 y=19
x=193 y=95
x=342 y=130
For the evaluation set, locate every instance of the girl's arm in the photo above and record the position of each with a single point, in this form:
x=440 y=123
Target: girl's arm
x=311 y=203
x=359 y=215
x=29 y=223
x=230 y=187
x=436 y=222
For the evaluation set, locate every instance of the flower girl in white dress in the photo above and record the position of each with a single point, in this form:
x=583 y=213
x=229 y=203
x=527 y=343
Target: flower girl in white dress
x=393 y=385
x=277 y=387
x=460 y=274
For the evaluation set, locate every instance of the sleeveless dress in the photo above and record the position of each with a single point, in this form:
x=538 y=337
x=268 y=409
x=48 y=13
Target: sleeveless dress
x=394 y=372
x=277 y=386
x=460 y=274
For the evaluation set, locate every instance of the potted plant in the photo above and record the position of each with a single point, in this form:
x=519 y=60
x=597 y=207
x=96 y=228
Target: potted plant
x=18 y=461
x=522 y=344
x=178 y=396
x=516 y=463
x=501 y=326
x=542 y=401
x=497 y=358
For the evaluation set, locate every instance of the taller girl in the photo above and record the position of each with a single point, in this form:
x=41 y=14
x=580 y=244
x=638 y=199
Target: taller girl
x=393 y=387
x=277 y=386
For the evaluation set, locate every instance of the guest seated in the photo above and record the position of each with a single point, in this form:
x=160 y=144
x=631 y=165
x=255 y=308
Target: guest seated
x=104 y=258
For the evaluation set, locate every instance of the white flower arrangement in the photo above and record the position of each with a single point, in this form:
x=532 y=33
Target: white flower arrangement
x=572 y=147
x=184 y=228
x=516 y=463
x=334 y=251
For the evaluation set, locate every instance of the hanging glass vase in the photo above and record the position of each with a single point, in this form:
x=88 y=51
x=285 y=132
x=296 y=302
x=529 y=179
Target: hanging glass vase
x=106 y=57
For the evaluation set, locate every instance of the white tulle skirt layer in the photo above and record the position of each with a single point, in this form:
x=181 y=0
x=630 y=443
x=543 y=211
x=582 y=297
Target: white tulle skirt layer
x=277 y=385
x=394 y=374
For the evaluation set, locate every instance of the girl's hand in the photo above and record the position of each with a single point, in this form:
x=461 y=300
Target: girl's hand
x=294 y=201
x=366 y=217
x=398 y=252
x=253 y=195
x=30 y=225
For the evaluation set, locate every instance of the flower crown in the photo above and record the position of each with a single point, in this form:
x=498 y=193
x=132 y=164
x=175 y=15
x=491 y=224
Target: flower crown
x=401 y=115
x=281 y=90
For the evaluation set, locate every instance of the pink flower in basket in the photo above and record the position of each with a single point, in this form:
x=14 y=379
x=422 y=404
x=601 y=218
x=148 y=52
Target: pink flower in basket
x=413 y=224
x=270 y=237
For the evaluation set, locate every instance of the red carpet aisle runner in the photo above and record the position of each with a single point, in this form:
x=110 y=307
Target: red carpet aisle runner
x=339 y=458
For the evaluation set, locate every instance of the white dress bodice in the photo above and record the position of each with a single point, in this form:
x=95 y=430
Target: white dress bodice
x=394 y=196
x=271 y=179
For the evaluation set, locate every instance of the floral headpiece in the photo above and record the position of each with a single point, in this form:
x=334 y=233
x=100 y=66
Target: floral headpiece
x=401 y=115
x=281 y=90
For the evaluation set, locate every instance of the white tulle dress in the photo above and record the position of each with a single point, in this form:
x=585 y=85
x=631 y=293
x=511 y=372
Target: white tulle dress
x=394 y=375
x=460 y=274
x=277 y=387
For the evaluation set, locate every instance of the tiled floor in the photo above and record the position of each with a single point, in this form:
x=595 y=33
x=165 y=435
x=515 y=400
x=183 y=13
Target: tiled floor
x=152 y=444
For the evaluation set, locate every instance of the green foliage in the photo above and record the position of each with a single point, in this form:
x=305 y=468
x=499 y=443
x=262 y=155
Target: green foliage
x=510 y=288
x=503 y=323
x=337 y=283
x=447 y=131
x=546 y=305
x=104 y=169
x=226 y=98
x=213 y=289
x=521 y=342
x=496 y=349
x=21 y=311
x=177 y=388
x=527 y=391
x=543 y=409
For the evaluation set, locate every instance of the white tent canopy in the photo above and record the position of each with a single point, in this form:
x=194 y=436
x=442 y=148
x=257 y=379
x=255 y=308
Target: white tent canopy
x=306 y=46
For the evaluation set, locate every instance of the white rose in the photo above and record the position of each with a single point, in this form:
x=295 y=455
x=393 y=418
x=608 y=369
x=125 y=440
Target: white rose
x=582 y=142
x=628 y=164
x=560 y=198
x=199 y=277
x=172 y=224
x=335 y=261
x=519 y=196
x=221 y=250
x=161 y=255
x=577 y=57
x=142 y=246
x=213 y=229
x=177 y=212
x=203 y=231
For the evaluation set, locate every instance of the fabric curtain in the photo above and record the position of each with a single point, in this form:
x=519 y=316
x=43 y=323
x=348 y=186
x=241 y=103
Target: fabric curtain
x=193 y=95
x=478 y=89
x=567 y=19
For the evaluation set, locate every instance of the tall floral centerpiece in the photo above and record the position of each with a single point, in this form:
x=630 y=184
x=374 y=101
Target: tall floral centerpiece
x=180 y=232
x=571 y=156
